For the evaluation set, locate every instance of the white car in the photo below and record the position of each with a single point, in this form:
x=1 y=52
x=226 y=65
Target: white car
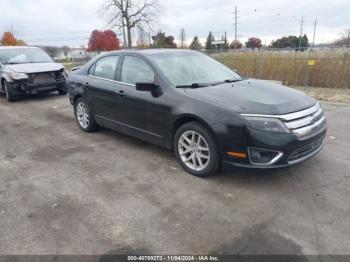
x=29 y=70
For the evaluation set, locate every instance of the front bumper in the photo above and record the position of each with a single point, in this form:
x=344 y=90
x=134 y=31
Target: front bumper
x=24 y=88
x=294 y=150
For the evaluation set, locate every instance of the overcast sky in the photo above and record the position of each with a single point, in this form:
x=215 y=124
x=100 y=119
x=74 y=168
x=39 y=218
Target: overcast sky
x=69 y=22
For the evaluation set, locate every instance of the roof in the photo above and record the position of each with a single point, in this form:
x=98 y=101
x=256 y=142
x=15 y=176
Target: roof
x=156 y=51
x=15 y=47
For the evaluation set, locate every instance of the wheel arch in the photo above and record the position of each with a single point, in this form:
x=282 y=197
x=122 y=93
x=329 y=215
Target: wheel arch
x=187 y=118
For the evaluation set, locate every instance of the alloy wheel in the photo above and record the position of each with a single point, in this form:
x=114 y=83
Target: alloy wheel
x=194 y=150
x=83 y=115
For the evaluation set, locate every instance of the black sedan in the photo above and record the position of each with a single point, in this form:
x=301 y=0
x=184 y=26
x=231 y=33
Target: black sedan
x=190 y=103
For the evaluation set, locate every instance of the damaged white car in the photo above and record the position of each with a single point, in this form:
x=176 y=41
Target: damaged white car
x=29 y=70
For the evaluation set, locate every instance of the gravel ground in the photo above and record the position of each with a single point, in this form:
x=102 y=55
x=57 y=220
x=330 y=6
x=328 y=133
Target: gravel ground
x=67 y=192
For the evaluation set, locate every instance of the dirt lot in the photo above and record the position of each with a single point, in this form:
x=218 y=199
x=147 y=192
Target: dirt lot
x=66 y=192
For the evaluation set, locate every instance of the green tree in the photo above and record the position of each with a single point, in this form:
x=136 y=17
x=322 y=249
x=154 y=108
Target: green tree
x=196 y=45
x=210 y=39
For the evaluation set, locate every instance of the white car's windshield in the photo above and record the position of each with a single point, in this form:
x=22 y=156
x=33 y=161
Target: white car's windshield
x=24 y=56
x=185 y=69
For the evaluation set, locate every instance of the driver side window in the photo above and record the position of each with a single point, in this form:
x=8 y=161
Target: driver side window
x=135 y=70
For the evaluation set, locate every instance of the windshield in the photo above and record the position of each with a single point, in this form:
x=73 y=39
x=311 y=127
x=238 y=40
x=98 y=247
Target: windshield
x=184 y=69
x=23 y=56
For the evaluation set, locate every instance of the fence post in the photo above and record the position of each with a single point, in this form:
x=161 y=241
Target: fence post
x=306 y=76
x=261 y=61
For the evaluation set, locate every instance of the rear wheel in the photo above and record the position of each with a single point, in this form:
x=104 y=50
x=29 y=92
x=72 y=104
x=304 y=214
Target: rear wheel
x=84 y=116
x=8 y=92
x=196 y=150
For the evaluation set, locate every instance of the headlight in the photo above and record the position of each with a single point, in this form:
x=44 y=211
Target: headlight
x=19 y=76
x=64 y=74
x=267 y=124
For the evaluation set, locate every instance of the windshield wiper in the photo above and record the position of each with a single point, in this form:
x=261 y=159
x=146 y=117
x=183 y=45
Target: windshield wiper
x=227 y=81
x=194 y=85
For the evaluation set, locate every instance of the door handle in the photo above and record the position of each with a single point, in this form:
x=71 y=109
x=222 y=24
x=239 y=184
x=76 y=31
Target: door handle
x=122 y=93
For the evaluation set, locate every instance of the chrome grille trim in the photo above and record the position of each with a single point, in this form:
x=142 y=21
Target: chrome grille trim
x=292 y=116
x=302 y=123
x=307 y=130
x=308 y=120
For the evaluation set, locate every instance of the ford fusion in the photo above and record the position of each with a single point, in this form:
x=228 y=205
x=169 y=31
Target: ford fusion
x=190 y=103
x=29 y=70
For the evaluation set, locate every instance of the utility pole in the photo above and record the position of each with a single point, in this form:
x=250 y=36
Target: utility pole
x=314 y=36
x=301 y=32
x=236 y=26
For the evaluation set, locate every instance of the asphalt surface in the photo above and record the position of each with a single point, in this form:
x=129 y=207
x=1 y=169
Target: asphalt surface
x=63 y=191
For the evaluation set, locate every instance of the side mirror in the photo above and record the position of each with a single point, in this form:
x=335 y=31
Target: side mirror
x=146 y=87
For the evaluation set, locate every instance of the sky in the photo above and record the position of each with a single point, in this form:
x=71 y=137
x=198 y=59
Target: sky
x=70 y=22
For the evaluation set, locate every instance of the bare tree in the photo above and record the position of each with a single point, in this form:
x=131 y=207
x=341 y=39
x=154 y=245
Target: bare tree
x=182 y=38
x=129 y=14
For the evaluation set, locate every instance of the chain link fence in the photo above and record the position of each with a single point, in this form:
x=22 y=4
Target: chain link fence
x=326 y=67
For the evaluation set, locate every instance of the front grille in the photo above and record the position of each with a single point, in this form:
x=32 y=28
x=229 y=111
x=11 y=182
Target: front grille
x=305 y=151
x=306 y=122
x=41 y=78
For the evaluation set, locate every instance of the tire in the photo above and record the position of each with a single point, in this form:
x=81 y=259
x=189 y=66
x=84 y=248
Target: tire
x=8 y=92
x=83 y=115
x=203 y=148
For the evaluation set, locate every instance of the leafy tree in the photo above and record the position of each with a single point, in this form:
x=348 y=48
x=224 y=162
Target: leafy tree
x=253 y=42
x=196 y=45
x=162 y=41
x=290 y=42
x=103 y=41
x=209 y=43
x=304 y=41
x=9 y=39
x=236 y=45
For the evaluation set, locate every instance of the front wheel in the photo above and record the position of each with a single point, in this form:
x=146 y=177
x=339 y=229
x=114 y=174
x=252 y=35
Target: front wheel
x=196 y=150
x=84 y=116
x=8 y=92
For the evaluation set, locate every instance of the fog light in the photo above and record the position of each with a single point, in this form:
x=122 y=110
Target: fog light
x=263 y=157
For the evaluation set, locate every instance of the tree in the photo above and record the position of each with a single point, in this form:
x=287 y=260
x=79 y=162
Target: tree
x=286 y=42
x=182 y=38
x=290 y=42
x=253 y=42
x=344 y=39
x=162 y=41
x=9 y=39
x=130 y=14
x=304 y=42
x=210 y=39
x=103 y=41
x=236 y=45
x=51 y=50
x=196 y=45
x=143 y=41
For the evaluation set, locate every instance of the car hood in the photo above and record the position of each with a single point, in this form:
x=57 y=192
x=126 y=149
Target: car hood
x=35 y=67
x=254 y=97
